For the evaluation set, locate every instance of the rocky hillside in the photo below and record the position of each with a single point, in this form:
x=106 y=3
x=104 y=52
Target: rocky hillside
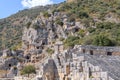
x=11 y=28
x=89 y=22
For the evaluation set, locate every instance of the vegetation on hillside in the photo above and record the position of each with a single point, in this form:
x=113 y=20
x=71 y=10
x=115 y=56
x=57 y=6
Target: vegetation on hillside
x=104 y=33
x=88 y=12
x=11 y=28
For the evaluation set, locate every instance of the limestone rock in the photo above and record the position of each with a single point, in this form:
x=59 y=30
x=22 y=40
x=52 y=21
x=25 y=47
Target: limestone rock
x=13 y=72
x=50 y=70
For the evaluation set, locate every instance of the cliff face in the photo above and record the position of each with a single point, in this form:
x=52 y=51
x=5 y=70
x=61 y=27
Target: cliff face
x=34 y=40
x=46 y=31
x=11 y=28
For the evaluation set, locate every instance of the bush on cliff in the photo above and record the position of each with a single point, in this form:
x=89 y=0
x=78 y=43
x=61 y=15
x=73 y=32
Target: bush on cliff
x=28 y=70
x=71 y=41
x=102 y=40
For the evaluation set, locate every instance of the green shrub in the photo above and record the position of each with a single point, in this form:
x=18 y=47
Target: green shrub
x=82 y=14
x=91 y=30
x=28 y=25
x=28 y=70
x=105 y=25
x=71 y=19
x=35 y=26
x=81 y=33
x=50 y=51
x=17 y=46
x=71 y=41
x=59 y=22
x=102 y=40
x=46 y=14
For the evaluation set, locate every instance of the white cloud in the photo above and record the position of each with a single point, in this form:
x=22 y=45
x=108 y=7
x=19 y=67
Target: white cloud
x=33 y=3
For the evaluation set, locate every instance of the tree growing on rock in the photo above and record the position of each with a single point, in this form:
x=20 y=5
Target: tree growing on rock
x=29 y=69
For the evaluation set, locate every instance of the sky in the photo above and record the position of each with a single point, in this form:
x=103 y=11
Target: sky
x=9 y=7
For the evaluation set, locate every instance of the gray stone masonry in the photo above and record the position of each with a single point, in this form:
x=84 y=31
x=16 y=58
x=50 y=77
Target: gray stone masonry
x=74 y=65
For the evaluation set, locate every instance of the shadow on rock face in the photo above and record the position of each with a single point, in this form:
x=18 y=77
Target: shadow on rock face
x=50 y=71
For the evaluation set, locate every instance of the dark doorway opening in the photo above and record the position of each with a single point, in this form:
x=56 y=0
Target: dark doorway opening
x=43 y=43
x=27 y=57
x=109 y=53
x=9 y=65
x=56 y=36
x=76 y=29
x=38 y=47
x=83 y=50
x=91 y=52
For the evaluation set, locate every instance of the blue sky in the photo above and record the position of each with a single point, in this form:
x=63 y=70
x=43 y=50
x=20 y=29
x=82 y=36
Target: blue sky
x=9 y=7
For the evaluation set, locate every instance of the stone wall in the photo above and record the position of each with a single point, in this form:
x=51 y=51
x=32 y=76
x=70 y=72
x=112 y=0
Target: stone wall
x=97 y=50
